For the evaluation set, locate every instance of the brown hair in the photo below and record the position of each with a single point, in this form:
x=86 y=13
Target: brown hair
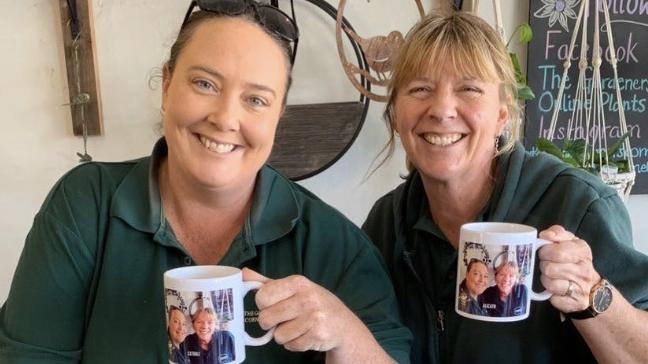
x=199 y=17
x=474 y=261
x=469 y=45
x=174 y=308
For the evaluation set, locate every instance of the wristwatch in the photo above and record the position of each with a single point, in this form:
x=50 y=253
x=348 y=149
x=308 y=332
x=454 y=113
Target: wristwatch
x=600 y=299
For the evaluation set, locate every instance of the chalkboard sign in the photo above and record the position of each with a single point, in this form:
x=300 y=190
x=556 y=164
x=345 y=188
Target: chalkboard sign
x=553 y=22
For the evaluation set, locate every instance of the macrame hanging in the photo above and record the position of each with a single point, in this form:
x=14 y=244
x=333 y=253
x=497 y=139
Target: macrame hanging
x=497 y=11
x=587 y=125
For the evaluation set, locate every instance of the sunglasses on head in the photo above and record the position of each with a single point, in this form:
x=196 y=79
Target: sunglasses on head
x=270 y=17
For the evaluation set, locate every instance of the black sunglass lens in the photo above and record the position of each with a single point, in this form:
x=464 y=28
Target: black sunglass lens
x=278 y=22
x=231 y=7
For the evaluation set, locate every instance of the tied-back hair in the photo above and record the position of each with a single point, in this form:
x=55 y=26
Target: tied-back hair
x=174 y=308
x=468 y=44
x=474 y=261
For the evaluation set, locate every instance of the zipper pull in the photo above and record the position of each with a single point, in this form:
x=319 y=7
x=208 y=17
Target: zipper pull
x=440 y=320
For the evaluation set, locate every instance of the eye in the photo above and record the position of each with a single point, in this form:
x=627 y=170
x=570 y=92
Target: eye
x=472 y=89
x=257 y=101
x=419 y=89
x=204 y=85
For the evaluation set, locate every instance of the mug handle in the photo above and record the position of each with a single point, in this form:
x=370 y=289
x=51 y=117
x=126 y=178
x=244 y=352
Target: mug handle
x=256 y=341
x=544 y=295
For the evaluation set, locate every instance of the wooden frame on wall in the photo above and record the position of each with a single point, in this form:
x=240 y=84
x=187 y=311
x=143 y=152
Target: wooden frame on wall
x=77 y=21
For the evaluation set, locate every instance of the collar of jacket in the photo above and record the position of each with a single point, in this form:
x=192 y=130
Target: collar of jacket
x=521 y=181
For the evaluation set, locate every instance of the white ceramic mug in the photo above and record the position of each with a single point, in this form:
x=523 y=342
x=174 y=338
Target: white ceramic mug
x=495 y=264
x=205 y=304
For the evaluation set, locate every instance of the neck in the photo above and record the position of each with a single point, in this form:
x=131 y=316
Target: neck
x=503 y=296
x=458 y=201
x=204 y=344
x=184 y=196
x=205 y=220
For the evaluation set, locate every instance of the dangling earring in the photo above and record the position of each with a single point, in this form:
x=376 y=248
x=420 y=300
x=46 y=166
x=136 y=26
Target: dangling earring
x=497 y=144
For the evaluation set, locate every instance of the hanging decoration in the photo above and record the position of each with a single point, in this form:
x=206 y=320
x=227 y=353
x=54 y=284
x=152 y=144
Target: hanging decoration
x=586 y=144
x=85 y=105
x=379 y=51
x=312 y=137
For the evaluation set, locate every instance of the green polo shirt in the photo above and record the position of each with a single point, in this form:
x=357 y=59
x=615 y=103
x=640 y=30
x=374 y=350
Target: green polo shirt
x=88 y=287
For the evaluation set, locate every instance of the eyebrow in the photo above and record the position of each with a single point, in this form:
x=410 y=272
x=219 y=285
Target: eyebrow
x=220 y=77
x=428 y=79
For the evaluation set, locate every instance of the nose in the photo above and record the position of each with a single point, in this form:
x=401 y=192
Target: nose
x=442 y=106
x=225 y=113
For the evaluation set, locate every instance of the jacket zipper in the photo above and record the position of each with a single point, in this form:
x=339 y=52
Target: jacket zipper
x=440 y=321
x=429 y=308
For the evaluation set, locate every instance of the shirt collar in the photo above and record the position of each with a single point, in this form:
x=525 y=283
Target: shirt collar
x=137 y=201
x=275 y=209
x=137 y=198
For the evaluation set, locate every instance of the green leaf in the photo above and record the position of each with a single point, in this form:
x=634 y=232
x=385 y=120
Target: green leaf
x=524 y=92
x=576 y=149
x=526 y=33
x=595 y=158
x=622 y=165
x=516 y=64
x=612 y=150
x=547 y=146
x=571 y=160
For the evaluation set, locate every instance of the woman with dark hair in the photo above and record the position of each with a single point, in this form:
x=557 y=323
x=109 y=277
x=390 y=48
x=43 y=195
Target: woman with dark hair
x=472 y=287
x=177 y=332
x=108 y=231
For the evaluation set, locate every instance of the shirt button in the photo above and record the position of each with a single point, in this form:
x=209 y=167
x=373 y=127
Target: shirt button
x=187 y=260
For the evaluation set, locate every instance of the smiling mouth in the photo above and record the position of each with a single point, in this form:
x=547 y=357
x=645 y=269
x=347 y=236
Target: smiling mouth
x=442 y=140
x=216 y=147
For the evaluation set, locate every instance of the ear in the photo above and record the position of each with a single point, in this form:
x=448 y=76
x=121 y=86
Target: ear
x=166 y=81
x=502 y=118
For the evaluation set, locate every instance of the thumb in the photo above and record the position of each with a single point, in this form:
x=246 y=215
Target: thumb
x=250 y=275
x=556 y=233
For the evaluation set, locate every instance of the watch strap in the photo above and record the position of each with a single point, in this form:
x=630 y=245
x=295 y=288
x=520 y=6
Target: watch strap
x=582 y=315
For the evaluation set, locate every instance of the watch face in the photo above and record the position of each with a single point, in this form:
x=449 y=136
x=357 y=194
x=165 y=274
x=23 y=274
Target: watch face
x=602 y=299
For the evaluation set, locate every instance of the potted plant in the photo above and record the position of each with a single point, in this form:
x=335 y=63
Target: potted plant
x=576 y=153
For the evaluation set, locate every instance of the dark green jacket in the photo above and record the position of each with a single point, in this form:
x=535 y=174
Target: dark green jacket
x=89 y=287
x=535 y=190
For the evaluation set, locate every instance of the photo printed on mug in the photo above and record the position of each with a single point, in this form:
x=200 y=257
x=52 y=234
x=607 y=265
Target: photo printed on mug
x=198 y=326
x=494 y=280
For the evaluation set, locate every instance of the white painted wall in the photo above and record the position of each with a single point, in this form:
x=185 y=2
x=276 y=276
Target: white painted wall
x=133 y=36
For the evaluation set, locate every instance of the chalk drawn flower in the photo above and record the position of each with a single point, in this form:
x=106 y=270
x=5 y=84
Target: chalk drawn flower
x=558 y=10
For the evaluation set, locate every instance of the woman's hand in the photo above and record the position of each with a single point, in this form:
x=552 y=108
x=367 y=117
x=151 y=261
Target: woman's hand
x=567 y=270
x=306 y=315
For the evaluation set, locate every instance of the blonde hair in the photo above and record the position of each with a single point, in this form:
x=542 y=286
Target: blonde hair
x=472 y=47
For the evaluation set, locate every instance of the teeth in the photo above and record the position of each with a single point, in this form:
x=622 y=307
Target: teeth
x=216 y=147
x=436 y=139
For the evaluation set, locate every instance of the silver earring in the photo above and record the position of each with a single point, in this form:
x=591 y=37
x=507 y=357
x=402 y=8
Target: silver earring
x=497 y=144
